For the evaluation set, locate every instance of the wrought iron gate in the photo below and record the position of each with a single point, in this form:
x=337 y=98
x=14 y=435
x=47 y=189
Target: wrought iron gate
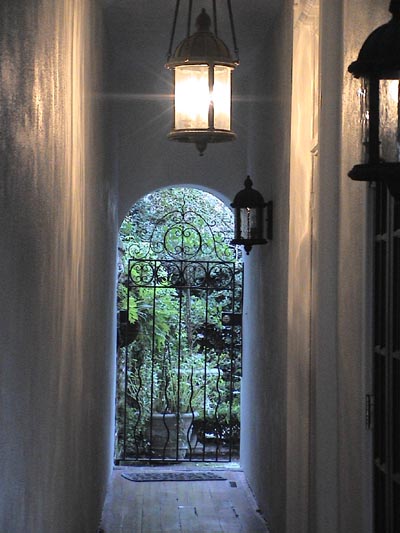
x=179 y=392
x=387 y=363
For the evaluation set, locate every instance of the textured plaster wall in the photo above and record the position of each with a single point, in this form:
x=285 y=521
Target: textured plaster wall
x=263 y=430
x=340 y=484
x=303 y=173
x=329 y=487
x=323 y=506
x=57 y=218
x=360 y=18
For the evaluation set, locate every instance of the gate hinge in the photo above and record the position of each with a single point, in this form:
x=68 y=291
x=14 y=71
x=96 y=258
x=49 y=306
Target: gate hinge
x=369 y=411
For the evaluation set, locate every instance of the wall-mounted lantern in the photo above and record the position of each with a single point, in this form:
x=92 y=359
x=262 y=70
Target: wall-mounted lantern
x=249 y=206
x=202 y=66
x=378 y=67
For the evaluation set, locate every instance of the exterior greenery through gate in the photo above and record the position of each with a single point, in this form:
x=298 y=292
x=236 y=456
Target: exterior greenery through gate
x=178 y=373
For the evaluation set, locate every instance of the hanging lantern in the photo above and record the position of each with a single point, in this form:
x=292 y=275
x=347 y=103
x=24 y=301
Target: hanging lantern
x=249 y=208
x=378 y=68
x=202 y=66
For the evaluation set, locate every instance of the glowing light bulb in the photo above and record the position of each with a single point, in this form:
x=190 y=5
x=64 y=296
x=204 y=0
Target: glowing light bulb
x=192 y=97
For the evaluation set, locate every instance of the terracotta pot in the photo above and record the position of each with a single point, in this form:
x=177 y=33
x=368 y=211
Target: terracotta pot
x=164 y=435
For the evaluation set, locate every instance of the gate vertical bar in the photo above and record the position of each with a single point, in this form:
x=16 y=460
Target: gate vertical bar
x=232 y=354
x=205 y=373
x=153 y=353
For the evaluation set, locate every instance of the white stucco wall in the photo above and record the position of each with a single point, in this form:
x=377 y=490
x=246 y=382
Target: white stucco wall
x=355 y=348
x=57 y=218
x=303 y=174
x=329 y=448
x=263 y=431
x=340 y=486
x=144 y=160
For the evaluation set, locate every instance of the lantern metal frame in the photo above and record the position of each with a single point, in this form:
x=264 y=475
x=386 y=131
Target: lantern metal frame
x=378 y=59
x=202 y=48
x=252 y=203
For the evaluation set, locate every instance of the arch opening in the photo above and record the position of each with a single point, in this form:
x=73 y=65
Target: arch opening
x=179 y=330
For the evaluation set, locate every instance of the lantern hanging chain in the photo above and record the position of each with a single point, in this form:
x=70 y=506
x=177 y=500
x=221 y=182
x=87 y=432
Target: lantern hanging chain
x=235 y=46
x=215 y=18
x=189 y=18
x=171 y=42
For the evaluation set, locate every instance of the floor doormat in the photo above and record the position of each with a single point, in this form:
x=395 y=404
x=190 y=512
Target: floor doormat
x=172 y=476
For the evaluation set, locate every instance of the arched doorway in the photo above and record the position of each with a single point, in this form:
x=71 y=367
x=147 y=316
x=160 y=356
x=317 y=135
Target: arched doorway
x=179 y=342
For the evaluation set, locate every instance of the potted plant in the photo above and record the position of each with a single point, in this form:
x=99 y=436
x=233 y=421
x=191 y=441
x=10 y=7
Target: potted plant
x=178 y=399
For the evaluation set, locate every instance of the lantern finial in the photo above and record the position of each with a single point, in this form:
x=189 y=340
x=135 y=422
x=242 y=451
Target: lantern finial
x=203 y=21
x=248 y=183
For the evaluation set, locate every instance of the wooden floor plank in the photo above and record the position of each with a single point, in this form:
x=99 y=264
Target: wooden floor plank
x=181 y=507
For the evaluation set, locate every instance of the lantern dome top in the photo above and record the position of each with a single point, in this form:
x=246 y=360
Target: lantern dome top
x=202 y=47
x=248 y=197
x=380 y=54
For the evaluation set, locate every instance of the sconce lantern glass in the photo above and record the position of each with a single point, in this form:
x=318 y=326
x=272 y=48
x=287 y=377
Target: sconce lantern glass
x=249 y=206
x=378 y=68
x=202 y=66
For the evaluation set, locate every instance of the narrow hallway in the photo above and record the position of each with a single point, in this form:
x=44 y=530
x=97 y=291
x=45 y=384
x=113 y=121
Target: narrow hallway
x=216 y=506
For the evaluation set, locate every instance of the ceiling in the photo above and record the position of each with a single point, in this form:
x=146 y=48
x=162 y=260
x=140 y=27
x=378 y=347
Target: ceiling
x=145 y=25
x=159 y=13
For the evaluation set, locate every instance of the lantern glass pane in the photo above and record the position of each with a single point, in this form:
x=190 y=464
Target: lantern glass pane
x=389 y=120
x=249 y=220
x=222 y=97
x=192 y=97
